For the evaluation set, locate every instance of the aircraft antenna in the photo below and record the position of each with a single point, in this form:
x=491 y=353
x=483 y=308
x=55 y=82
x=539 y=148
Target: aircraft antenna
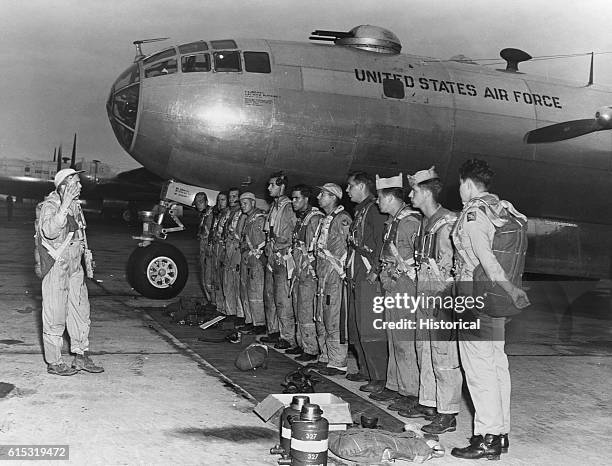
x=59 y=158
x=591 y=71
x=513 y=57
x=73 y=158
x=138 y=43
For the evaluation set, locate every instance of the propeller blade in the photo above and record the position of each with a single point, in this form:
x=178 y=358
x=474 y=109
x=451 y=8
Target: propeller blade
x=562 y=131
x=54 y=153
x=73 y=158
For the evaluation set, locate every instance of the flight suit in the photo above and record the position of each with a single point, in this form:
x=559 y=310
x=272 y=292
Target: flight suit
x=483 y=358
x=218 y=256
x=65 y=300
x=365 y=242
x=398 y=276
x=231 y=266
x=304 y=281
x=279 y=310
x=204 y=230
x=331 y=252
x=437 y=351
x=252 y=242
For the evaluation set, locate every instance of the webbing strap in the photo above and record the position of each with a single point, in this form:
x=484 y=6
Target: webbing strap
x=57 y=253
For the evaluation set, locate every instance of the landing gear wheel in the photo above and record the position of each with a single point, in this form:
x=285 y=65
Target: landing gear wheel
x=157 y=271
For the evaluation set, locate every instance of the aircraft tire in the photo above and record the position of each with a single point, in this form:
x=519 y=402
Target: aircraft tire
x=157 y=271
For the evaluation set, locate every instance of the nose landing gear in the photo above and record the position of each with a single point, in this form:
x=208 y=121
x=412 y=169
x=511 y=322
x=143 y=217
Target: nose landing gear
x=157 y=271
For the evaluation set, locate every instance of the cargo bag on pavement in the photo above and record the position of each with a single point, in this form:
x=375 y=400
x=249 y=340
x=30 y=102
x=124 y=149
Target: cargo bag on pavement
x=371 y=447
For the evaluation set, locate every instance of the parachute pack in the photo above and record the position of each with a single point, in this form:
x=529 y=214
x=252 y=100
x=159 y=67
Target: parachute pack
x=509 y=247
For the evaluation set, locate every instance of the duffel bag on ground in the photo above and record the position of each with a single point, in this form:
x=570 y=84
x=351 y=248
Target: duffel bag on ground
x=371 y=446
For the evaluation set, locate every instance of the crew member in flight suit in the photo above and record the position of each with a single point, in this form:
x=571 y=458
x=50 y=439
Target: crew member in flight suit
x=200 y=202
x=331 y=252
x=437 y=350
x=60 y=245
x=232 y=259
x=398 y=277
x=217 y=249
x=304 y=282
x=252 y=243
x=279 y=228
x=483 y=357
x=362 y=270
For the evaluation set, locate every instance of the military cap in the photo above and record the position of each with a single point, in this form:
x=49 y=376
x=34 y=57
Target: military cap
x=63 y=174
x=392 y=182
x=423 y=175
x=247 y=195
x=332 y=188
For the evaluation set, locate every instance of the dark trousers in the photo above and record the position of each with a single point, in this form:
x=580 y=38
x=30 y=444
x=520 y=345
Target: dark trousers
x=369 y=344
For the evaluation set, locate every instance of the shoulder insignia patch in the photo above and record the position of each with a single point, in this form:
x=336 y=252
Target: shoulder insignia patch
x=471 y=216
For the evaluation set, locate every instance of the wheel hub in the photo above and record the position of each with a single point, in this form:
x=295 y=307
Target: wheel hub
x=162 y=272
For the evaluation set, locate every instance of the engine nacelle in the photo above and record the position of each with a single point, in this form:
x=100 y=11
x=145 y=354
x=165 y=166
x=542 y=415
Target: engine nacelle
x=604 y=117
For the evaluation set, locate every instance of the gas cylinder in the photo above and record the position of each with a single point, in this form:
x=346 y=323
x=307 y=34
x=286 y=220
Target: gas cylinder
x=289 y=413
x=309 y=437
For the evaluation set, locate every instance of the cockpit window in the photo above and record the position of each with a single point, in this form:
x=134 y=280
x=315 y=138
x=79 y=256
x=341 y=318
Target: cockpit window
x=124 y=105
x=161 y=69
x=223 y=44
x=195 y=63
x=257 y=62
x=160 y=55
x=129 y=76
x=192 y=47
x=227 y=61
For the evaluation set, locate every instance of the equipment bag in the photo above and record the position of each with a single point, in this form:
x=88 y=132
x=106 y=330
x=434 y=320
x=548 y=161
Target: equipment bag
x=43 y=262
x=509 y=247
x=370 y=446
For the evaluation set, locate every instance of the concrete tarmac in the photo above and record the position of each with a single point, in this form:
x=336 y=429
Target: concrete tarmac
x=159 y=403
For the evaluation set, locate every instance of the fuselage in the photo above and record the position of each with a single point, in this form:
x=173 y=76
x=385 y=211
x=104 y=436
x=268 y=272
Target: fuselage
x=318 y=111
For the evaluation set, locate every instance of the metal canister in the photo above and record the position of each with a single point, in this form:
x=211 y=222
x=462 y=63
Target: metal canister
x=309 y=436
x=289 y=413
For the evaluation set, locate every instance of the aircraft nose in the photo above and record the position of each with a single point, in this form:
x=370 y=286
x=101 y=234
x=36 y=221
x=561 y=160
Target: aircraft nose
x=122 y=105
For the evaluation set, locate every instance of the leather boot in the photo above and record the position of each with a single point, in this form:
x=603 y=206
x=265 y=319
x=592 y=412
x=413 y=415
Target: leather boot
x=418 y=410
x=82 y=362
x=441 y=424
x=505 y=443
x=373 y=386
x=305 y=357
x=488 y=447
x=60 y=369
x=356 y=377
x=271 y=338
x=385 y=395
x=404 y=403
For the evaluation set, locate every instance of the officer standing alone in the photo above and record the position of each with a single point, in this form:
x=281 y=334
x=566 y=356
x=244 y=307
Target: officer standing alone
x=60 y=241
